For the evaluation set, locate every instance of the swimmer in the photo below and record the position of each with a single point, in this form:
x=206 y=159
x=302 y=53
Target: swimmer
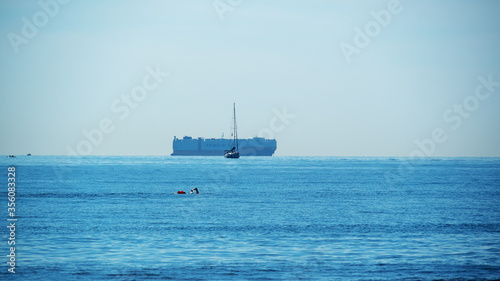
x=195 y=189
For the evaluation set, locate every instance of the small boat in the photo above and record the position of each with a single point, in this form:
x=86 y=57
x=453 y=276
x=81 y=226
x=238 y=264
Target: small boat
x=233 y=152
x=29 y=154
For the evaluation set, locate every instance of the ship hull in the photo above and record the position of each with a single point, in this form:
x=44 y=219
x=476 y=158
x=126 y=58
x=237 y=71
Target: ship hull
x=216 y=147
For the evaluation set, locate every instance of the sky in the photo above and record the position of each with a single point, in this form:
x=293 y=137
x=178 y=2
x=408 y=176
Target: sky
x=324 y=78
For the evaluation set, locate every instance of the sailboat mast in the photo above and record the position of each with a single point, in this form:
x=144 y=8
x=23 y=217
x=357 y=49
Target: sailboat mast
x=235 y=128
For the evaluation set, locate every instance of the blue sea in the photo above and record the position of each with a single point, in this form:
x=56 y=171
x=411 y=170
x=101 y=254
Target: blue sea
x=255 y=218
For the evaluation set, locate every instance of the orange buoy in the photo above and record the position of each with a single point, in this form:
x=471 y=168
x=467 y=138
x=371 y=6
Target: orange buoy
x=181 y=192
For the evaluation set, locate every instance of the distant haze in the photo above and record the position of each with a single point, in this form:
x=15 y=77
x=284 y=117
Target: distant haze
x=326 y=78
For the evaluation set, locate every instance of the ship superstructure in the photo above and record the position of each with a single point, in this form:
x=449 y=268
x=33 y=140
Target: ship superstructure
x=215 y=147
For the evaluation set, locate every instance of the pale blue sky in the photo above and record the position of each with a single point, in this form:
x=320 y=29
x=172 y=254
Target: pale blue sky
x=264 y=56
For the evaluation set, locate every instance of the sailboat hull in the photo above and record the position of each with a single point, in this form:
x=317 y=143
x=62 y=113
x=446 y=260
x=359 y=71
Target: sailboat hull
x=234 y=154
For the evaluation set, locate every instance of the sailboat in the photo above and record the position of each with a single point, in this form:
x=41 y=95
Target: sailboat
x=233 y=152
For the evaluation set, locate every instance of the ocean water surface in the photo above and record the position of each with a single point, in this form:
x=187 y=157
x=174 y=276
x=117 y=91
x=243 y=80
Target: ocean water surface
x=256 y=218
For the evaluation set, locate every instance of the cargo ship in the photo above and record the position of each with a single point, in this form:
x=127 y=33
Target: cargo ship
x=188 y=146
